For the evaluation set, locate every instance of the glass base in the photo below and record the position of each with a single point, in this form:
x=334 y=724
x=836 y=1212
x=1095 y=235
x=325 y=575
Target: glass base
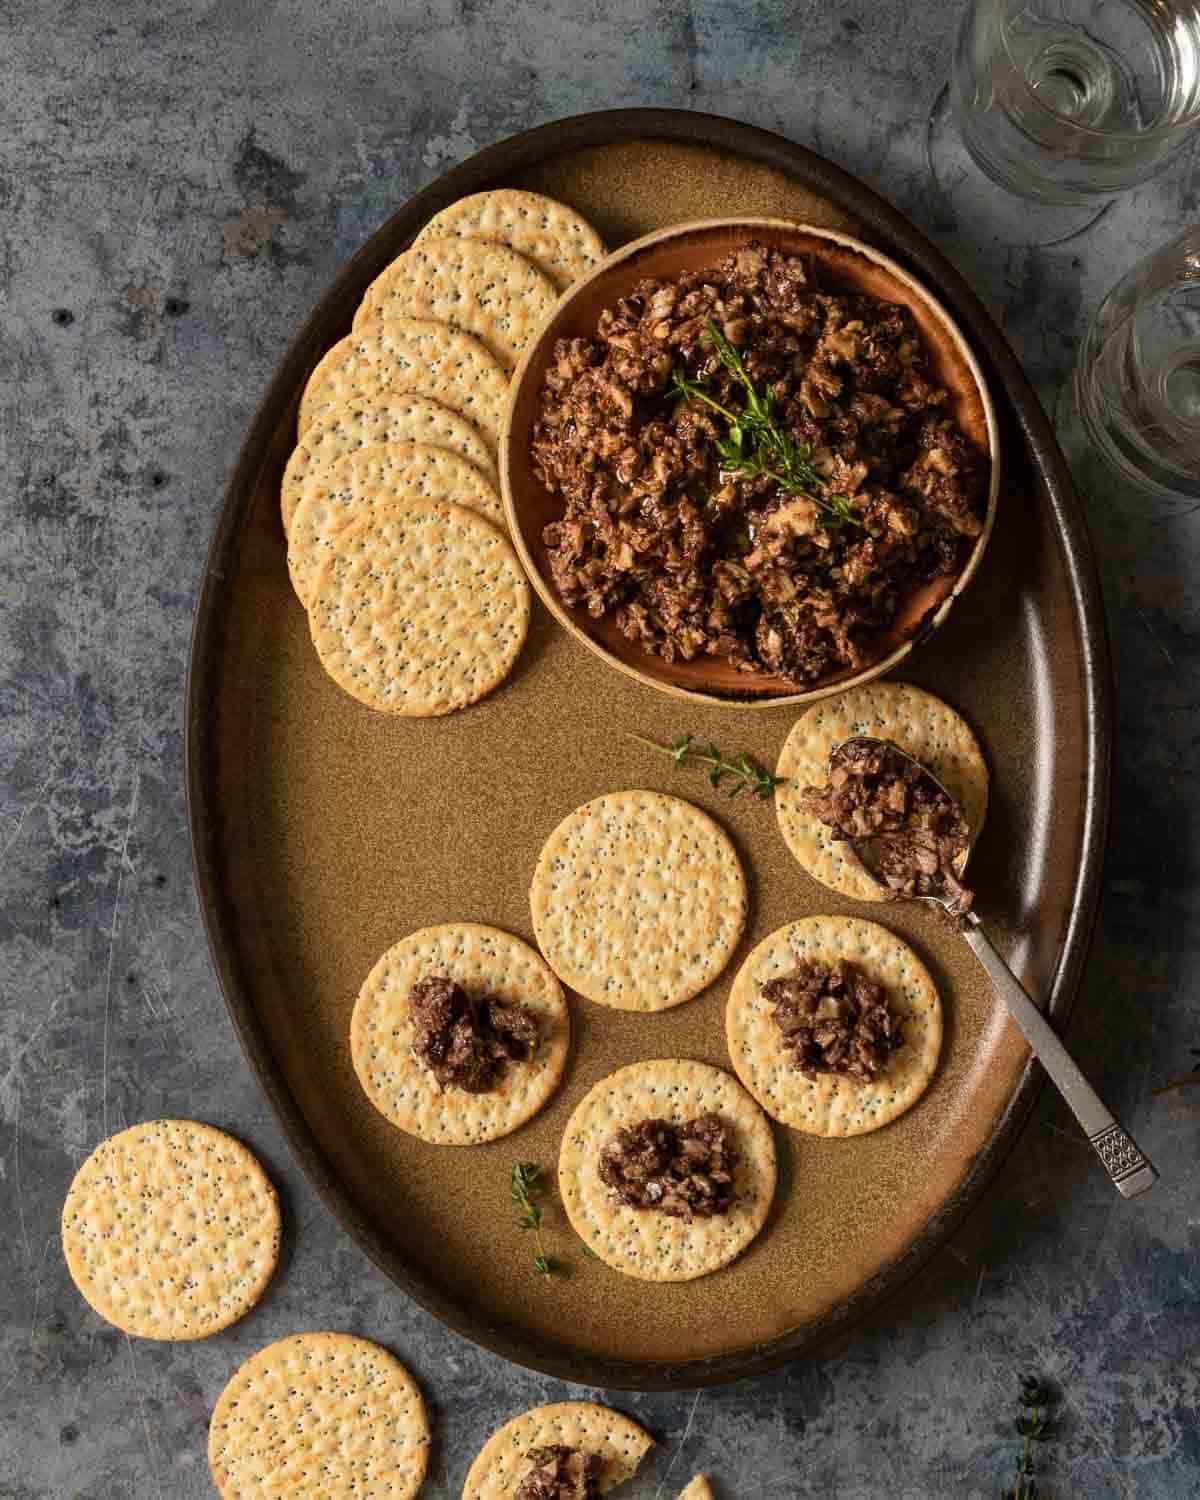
x=1100 y=483
x=964 y=197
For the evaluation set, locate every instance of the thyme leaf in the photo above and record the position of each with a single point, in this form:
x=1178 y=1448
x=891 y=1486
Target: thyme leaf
x=740 y=774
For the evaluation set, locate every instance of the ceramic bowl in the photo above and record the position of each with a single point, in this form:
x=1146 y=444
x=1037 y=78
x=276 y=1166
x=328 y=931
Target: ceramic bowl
x=844 y=264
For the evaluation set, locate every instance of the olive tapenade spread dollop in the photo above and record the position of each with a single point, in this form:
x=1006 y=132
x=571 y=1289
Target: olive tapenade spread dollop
x=693 y=553
x=685 y=1171
x=918 y=833
x=834 y=1020
x=561 y=1473
x=465 y=1040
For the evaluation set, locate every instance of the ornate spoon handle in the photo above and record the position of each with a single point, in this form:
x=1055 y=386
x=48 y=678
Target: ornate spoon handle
x=1129 y=1169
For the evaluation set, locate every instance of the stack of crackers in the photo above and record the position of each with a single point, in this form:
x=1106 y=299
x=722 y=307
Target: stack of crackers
x=396 y=540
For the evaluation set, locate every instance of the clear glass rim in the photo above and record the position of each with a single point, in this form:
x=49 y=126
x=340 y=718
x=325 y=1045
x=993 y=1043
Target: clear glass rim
x=1151 y=133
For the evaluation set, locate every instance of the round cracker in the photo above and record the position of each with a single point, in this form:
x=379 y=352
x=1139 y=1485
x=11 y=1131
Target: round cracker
x=320 y=1414
x=419 y=355
x=560 y=242
x=919 y=723
x=171 y=1230
x=483 y=960
x=638 y=900
x=698 y=1489
x=482 y=289
x=833 y=1104
x=340 y=428
x=642 y=1242
x=585 y=1425
x=380 y=475
x=419 y=608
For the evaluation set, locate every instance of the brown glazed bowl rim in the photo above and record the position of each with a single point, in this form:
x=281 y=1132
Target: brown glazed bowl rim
x=514 y=457
x=210 y=644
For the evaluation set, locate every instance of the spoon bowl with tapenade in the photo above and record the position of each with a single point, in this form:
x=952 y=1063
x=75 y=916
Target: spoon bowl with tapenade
x=910 y=836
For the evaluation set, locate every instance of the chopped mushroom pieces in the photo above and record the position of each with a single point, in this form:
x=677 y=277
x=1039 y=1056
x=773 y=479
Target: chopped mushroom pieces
x=834 y=1020
x=679 y=527
x=917 y=832
x=560 y=1473
x=685 y=1171
x=466 y=1040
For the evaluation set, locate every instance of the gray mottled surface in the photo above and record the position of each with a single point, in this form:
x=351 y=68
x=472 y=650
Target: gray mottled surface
x=185 y=181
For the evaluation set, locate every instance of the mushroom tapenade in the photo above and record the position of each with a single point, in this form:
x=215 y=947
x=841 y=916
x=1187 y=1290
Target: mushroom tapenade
x=560 y=1473
x=918 y=835
x=753 y=467
x=466 y=1040
x=834 y=1019
x=685 y=1171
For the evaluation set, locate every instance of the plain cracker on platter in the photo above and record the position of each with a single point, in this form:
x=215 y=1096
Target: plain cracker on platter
x=419 y=609
x=420 y=355
x=485 y=290
x=373 y=477
x=585 y=1425
x=560 y=242
x=643 y=1242
x=171 y=1230
x=922 y=725
x=340 y=428
x=833 y=1104
x=482 y=960
x=319 y=1414
x=638 y=900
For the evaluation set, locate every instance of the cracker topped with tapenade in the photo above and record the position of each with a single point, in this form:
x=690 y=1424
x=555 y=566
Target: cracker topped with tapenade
x=834 y=1025
x=570 y=1450
x=667 y=1169
x=921 y=725
x=460 y=1034
x=638 y=900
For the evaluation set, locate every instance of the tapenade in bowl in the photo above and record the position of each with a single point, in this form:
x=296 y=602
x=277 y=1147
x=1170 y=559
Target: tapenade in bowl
x=749 y=461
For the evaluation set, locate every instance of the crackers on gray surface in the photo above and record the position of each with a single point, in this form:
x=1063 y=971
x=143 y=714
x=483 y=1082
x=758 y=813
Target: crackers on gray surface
x=585 y=1425
x=171 y=1230
x=319 y=1414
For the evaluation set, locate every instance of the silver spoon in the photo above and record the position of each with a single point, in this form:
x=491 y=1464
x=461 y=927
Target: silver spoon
x=1129 y=1168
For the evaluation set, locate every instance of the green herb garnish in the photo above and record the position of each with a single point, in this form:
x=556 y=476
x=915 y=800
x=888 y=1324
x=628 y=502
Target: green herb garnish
x=756 y=447
x=745 y=774
x=1033 y=1426
x=525 y=1177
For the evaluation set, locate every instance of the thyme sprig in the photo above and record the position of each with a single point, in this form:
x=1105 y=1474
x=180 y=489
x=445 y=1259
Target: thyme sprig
x=1033 y=1426
x=744 y=773
x=525 y=1177
x=756 y=447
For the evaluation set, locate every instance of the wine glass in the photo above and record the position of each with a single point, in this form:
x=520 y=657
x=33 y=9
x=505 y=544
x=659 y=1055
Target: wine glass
x=1062 y=103
x=1137 y=378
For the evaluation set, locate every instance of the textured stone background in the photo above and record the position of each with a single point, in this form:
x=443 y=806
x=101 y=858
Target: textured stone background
x=183 y=182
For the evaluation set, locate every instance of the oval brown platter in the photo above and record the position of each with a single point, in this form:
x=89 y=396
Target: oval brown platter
x=323 y=832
